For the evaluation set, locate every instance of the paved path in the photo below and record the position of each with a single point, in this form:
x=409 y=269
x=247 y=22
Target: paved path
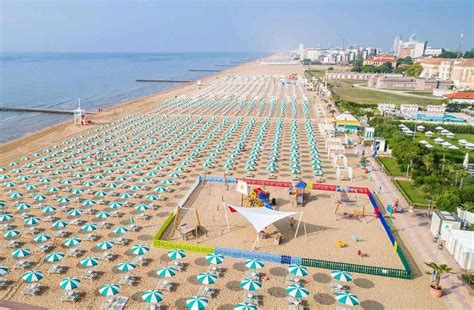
x=416 y=235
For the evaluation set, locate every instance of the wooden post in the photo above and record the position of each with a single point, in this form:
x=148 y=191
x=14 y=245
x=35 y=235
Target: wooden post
x=299 y=222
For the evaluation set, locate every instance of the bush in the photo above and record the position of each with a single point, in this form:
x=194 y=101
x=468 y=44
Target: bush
x=448 y=201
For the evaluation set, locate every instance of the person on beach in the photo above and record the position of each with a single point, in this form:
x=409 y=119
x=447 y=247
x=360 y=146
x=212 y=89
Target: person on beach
x=292 y=223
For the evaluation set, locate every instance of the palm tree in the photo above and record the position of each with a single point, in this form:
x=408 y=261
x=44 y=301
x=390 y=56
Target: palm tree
x=439 y=270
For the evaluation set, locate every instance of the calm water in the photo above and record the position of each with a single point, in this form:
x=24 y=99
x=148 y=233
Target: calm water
x=99 y=80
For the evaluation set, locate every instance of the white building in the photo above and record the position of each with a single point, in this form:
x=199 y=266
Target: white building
x=431 y=51
x=411 y=48
x=436 y=109
x=409 y=109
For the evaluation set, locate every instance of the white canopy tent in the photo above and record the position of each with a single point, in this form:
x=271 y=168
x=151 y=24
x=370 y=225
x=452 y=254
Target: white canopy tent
x=264 y=217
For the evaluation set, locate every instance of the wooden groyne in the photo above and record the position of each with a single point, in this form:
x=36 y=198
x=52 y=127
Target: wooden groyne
x=166 y=81
x=223 y=65
x=36 y=110
x=204 y=70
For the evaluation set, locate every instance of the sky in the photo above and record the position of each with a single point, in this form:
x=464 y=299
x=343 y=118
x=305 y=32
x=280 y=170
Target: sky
x=227 y=25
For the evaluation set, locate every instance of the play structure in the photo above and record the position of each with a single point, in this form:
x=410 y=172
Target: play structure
x=346 y=206
x=299 y=194
x=257 y=198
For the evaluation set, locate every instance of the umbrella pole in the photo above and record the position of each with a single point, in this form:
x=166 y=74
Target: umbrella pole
x=226 y=216
x=298 y=226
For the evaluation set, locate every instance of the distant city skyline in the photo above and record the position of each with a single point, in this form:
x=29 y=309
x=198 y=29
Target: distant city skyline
x=227 y=26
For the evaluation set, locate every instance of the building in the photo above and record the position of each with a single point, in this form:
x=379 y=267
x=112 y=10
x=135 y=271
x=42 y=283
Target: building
x=387 y=108
x=461 y=97
x=460 y=71
x=346 y=122
x=380 y=60
x=301 y=51
x=406 y=83
x=436 y=109
x=408 y=109
x=334 y=75
x=431 y=51
x=412 y=47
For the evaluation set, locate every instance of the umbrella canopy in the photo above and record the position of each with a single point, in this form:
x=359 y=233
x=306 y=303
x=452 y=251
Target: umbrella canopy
x=297 y=291
x=90 y=261
x=71 y=242
x=196 y=303
x=32 y=221
x=140 y=249
x=69 y=283
x=115 y=205
x=341 y=275
x=60 y=224
x=22 y=206
x=254 y=264
x=298 y=270
x=152 y=296
x=48 y=209
x=120 y=230
x=32 y=276
x=250 y=285
x=74 y=212
x=105 y=245
x=142 y=207
x=206 y=278
x=54 y=257
x=245 y=306
x=89 y=227
x=21 y=253
x=126 y=266
x=4 y=270
x=166 y=272
x=42 y=237
x=176 y=254
x=12 y=233
x=102 y=215
x=347 y=298
x=215 y=258
x=5 y=217
x=300 y=184
x=109 y=289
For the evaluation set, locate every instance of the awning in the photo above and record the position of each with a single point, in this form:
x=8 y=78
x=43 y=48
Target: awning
x=261 y=217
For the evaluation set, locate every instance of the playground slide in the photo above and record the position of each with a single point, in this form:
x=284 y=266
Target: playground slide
x=299 y=200
x=267 y=204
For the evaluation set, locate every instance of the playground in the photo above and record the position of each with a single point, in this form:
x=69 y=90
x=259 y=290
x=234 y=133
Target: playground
x=298 y=221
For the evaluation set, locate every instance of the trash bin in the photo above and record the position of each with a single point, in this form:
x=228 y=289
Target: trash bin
x=273 y=202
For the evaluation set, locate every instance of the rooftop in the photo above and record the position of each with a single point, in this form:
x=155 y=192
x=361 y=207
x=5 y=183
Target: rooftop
x=461 y=95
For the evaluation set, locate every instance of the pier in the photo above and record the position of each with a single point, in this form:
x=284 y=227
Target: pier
x=204 y=70
x=166 y=81
x=36 y=110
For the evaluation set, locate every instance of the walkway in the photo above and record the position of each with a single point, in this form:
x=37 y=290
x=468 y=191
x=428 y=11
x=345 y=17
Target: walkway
x=414 y=231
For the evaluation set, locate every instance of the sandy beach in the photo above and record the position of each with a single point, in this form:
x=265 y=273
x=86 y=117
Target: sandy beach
x=125 y=144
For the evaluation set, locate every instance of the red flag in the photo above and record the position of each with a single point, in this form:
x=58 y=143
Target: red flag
x=232 y=210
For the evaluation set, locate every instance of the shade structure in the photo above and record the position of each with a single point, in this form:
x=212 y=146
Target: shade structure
x=298 y=270
x=109 y=289
x=12 y=233
x=140 y=249
x=152 y=296
x=120 y=230
x=115 y=205
x=32 y=221
x=21 y=253
x=245 y=306
x=5 y=217
x=261 y=217
x=90 y=261
x=347 y=298
x=297 y=291
x=254 y=263
x=69 y=283
x=32 y=276
x=206 y=278
x=59 y=224
x=89 y=227
x=166 y=272
x=215 y=258
x=125 y=266
x=250 y=285
x=176 y=254
x=196 y=303
x=105 y=245
x=3 y=270
x=42 y=237
x=71 y=242
x=102 y=215
x=142 y=207
x=74 y=212
x=341 y=275
x=54 y=257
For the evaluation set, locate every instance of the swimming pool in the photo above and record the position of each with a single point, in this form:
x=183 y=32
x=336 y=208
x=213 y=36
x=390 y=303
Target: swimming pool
x=438 y=118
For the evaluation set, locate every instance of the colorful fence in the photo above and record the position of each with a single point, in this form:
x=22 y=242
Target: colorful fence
x=285 y=259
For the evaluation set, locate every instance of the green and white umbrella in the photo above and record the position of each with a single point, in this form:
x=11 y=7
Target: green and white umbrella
x=4 y=270
x=167 y=181
x=254 y=264
x=5 y=217
x=63 y=200
x=102 y=215
x=12 y=233
x=45 y=180
x=39 y=197
x=206 y=278
x=66 y=181
x=152 y=197
x=215 y=259
x=126 y=266
x=115 y=205
x=161 y=189
x=59 y=224
x=109 y=289
x=88 y=203
x=32 y=276
x=21 y=253
x=166 y=272
x=77 y=191
x=23 y=206
x=152 y=296
x=140 y=249
x=42 y=237
x=16 y=195
x=298 y=270
x=100 y=194
x=196 y=303
x=48 y=209
x=120 y=230
x=245 y=306
x=53 y=189
x=347 y=298
x=105 y=245
x=90 y=261
x=142 y=207
x=72 y=242
x=54 y=257
x=176 y=254
x=74 y=212
x=124 y=196
x=69 y=283
x=341 y=275
x=250 y=285
x=89 y=227
x=32 y=221
x=297 y=291
x=8 y=184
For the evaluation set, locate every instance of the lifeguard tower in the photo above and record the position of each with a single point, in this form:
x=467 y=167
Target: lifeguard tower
x=79 y=114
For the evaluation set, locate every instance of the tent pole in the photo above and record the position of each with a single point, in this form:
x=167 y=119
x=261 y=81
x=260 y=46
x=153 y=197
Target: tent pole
x=255 y=243
x=305 y=233
x=298 y=226
x=226 y=217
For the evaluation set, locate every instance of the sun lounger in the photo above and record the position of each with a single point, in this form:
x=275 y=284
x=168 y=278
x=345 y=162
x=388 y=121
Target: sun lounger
x=90 y=274
x=45 y=248
x=3 y=283
x=108 y=256
x=251 y=299
x=32 y=289
x=206 y=291
x=57 y=269
x=165 y=285
x=13 y=244
x=91 y=237
x=295 y=307
x=143 y=216
x=74 y=253
x=24 y=264
x=141 y=261
x=62 y=234
x=70 y=296
x=128 y=280
x=153 y=306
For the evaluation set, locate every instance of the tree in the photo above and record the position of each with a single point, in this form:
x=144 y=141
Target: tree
x=357 y=65
x=439 y=271
x=405 y=61
x=449 y=54
x=469 y=54
x=448 y=200
x=414 y=70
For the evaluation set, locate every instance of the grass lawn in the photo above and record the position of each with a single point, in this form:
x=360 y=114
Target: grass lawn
x=468 y=137
x=421 y=93
x=390 y=165
x=414 y=195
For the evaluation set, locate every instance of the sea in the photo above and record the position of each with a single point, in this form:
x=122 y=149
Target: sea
x=99 y=80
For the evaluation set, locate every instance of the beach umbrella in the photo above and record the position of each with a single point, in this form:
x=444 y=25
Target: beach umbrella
x=115 y=205
x=71 y=242
x=250 y=285
x=90 y=261
x=215 y=258
x=32 y=221
x=24 y=178
x=152 y=296
x=140 y=249
x=173 y=175
x=100 y=194
x=59 y=224
x=16 y=195
x=32 y=276
x=75 y=212
x=45 y=180
x=3 y=270
x=135 y=187
x=23 y=206
x=105 y=245
x=196 y=303
x=254 y=264
x=4 y=176
x=347 y=298
x=125 y=195
x=69 y=283
x=176 y=254
x=142 y=207
x=341 y=275
x=12 y=233
x=21 y=253
x=63 y=200
x=54 y=257
x=88 y=203
x=166 y=272
x=88 y=184
x=8 y=184
x=297 y=291
x=126 y=267
x=66 y=181
x=245 y=306
x=42 y=237
x=109 y=289
x=102 y=215
x=206 y=278
x=53 y=189
x=77 y=191
x=48 y=209
x=5 y=217
x=152 y=197
x=161 y=189
x=89 y=227
x=120 y=230
x=78 y=175
x=298 y=270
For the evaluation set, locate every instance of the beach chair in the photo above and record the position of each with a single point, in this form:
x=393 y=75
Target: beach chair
x=92 y=237
x=3 y=283
x=165 y=285
x=154 y=306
